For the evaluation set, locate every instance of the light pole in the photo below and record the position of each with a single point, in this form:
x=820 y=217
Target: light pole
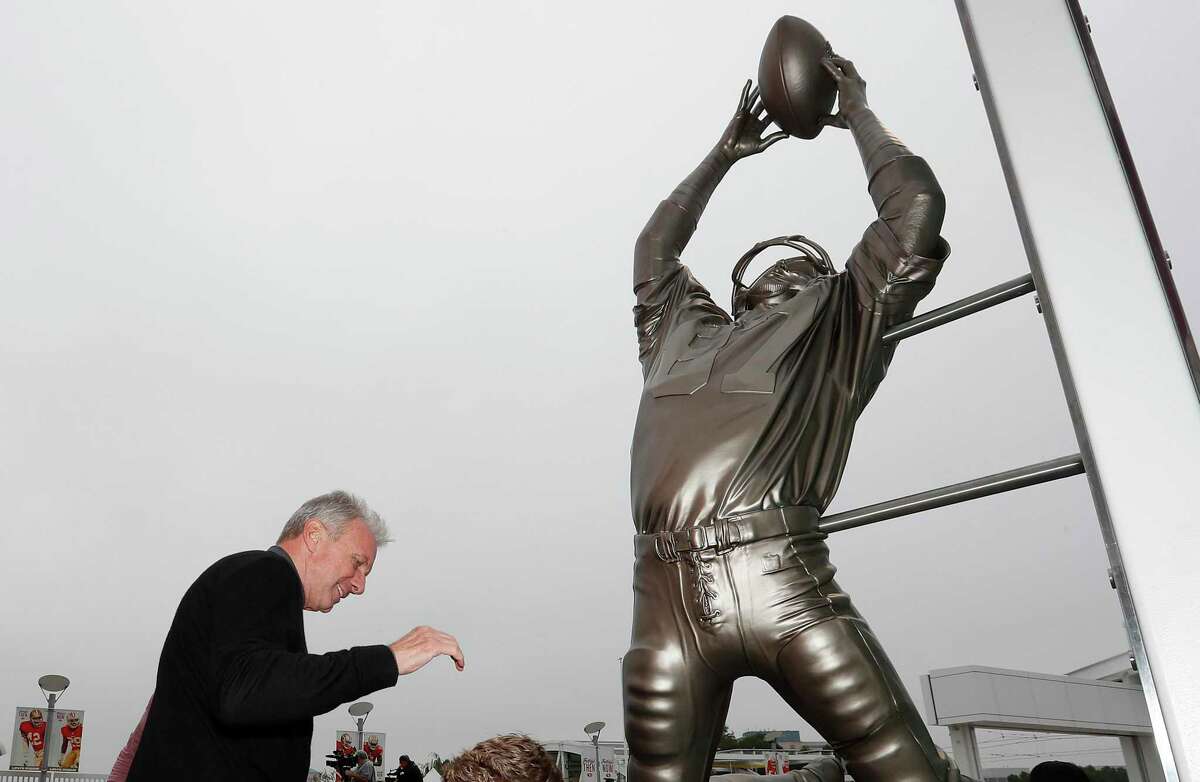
x=593 y=729
x=359 y=712
x=53 y=686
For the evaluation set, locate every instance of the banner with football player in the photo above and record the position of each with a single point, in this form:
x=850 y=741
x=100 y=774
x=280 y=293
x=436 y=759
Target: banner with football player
x=66 y=739
x=373 y=746
x=29 y=739
x=346 y=743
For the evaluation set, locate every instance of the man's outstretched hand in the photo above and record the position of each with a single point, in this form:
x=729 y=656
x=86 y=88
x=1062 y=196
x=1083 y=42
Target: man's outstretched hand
x=744 y=135
x=422 y=644
x=852 y=90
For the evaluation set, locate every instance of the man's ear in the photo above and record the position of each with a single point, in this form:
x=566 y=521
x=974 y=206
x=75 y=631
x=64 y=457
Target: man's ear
x=314 y=533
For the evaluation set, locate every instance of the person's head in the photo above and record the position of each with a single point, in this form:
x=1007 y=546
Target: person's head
x=333 y=539
x=72 y=718
x=404 y=761
x=1057 y=771
x=783 y=278
x=35 y=716
x=345 y=738
x=360 y=757
x=372 y=740
x=510 y=758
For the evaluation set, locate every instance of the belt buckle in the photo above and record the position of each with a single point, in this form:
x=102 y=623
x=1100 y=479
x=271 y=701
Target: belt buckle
x=728 y=536
x=664 y=547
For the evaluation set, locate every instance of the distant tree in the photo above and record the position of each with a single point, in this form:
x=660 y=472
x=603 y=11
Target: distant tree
x=1106 y=774
x=753 y=740
x=728 y=740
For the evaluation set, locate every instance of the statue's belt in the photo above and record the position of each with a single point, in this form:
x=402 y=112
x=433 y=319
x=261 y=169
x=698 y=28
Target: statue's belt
x=724 y=535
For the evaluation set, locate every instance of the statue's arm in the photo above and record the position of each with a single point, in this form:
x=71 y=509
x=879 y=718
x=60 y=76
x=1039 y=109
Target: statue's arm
x=902 y=186
x=901 y=253
x=660 y=282
x=661 y=242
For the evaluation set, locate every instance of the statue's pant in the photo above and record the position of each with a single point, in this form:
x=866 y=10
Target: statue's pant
x=771 y=609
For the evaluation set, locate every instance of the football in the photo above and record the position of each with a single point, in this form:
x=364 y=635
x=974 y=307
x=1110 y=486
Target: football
x=795 y=87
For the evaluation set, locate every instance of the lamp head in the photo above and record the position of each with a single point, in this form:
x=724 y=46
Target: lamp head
x=54 y=684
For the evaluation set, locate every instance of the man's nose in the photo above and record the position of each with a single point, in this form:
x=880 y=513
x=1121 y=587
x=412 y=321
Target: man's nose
x=358 y=584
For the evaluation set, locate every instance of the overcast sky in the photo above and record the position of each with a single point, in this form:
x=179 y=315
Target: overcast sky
x=254 y=253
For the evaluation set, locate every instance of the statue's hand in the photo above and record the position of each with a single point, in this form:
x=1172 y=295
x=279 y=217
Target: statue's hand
x=852 y=90
x=744 y=135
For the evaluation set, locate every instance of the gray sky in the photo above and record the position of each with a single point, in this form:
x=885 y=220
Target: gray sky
x=255 y=253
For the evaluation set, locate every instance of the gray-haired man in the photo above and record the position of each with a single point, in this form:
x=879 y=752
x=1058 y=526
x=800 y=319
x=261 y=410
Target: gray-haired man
x=365 y=771
x=237 y=688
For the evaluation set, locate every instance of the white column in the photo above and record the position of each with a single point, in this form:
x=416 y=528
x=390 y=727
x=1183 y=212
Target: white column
x=966 y=750
x=1126 y=369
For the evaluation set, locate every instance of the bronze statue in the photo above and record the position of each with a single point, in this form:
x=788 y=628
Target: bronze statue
x=741 y=438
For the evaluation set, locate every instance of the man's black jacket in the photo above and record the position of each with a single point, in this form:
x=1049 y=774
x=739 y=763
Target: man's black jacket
x=409 y=774
x=237 y=689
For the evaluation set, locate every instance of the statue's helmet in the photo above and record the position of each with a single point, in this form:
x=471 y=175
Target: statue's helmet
x=789 y=274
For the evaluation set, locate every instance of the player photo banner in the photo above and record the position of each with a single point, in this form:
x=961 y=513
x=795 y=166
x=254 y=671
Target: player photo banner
x=373 y=745
x=346 y=743
x=30 y=733
x=65 y=740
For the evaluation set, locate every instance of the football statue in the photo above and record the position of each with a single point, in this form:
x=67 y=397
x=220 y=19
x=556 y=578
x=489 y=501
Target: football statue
x=744 y=426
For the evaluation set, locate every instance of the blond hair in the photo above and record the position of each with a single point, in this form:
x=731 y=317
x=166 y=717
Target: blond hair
x=510 y=758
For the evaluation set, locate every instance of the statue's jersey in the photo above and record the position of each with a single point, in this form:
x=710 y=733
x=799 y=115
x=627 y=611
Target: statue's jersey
x=758 y=412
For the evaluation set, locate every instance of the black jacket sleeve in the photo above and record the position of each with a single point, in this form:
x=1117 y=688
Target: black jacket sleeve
x=259 y=680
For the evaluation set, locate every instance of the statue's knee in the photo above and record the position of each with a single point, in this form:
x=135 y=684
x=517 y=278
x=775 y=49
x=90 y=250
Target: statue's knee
x=656 y=705
x=845 y=694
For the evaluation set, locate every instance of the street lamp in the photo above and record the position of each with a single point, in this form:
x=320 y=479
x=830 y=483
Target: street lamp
x=359 y=712
x=53 y=686
x=593 y=729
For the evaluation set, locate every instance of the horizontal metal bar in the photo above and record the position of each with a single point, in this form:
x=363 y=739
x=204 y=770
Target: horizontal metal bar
x=961 y=308
x=958 y=492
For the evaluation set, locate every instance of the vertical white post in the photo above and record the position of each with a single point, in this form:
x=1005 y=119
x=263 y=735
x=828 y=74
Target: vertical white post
x=1127 y=360
x=51 y=701
x=966 y=750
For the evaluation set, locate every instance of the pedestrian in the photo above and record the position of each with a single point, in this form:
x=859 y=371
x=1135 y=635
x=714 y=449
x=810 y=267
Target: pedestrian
x=237 y=689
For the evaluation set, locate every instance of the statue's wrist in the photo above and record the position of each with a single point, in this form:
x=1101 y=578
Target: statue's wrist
x=723 y=156
x=856 y=113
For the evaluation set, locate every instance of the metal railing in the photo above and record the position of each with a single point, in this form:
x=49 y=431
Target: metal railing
x=1018 y=478
x=954 y=493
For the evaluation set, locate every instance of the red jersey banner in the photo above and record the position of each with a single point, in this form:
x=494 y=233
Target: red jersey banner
x=346 y=744
x=30 y=732
x=65 y=739
x=373 y=746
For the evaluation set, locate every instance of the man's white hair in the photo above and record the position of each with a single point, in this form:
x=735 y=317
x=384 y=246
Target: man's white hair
x=336 y=510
